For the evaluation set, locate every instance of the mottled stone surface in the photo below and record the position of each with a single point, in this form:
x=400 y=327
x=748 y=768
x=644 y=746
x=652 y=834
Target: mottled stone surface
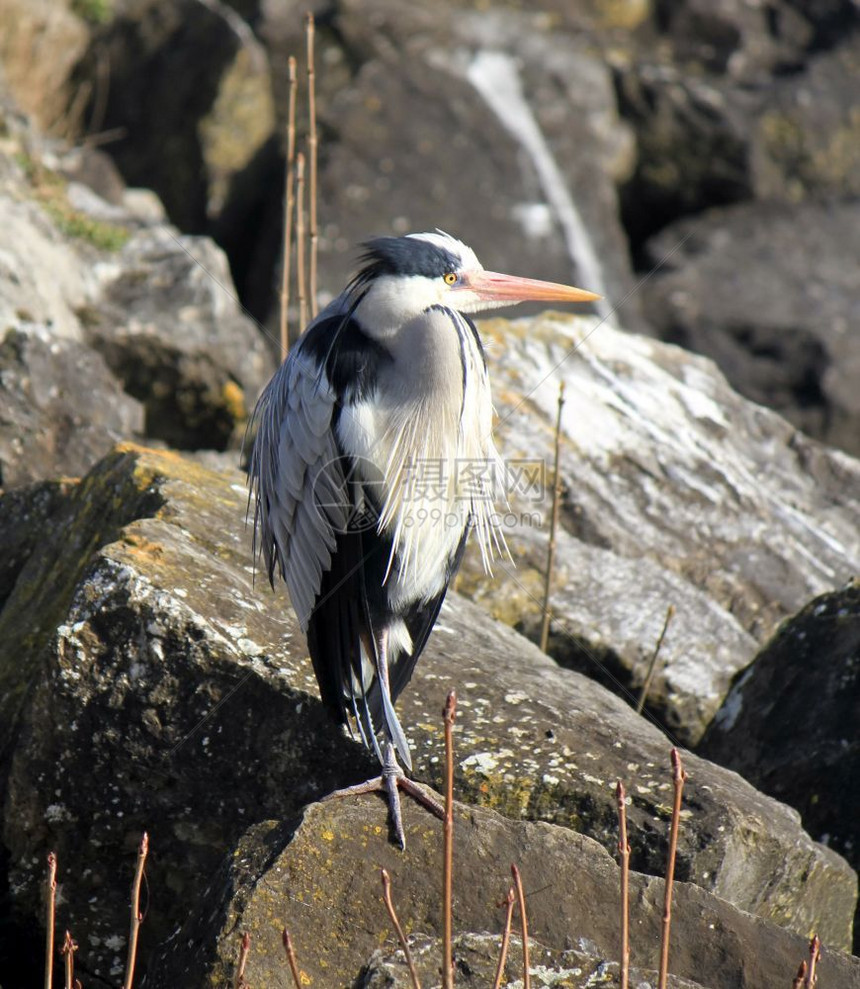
x=323 y=874
x=675 y=491
x=169 y=325
x=781 y=322
x=789 y=723
x=62 y=408
x=136 y=654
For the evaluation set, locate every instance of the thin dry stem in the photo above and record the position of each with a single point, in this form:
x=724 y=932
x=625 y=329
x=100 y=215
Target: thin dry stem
x=624 y=855
x=814 y=956
x=50 y=923
x=289 y=206
x=678 y=778
x=300 y=239
x=649 y=676
x=291 y=959
x=244 y=951
x=69 y=948
x=312 y=165
x=553 y=525
x=521 y=899
x=448 y=845
x=136 y=917
x=800 y=978
x=508 y=901
x=392 y=913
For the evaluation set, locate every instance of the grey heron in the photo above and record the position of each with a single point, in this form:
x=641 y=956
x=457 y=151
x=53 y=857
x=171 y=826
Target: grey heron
x=362 y=502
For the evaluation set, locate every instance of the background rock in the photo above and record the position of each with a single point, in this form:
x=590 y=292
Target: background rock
x=772 y=294
x=675 y=491
x=172 y=331
x=62 y=408
x=186 y=87
x=802 y=751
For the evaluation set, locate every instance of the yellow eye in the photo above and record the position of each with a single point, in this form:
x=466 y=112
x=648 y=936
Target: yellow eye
x=450 y=278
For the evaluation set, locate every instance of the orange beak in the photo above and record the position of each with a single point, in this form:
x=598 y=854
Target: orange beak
x=495 y=287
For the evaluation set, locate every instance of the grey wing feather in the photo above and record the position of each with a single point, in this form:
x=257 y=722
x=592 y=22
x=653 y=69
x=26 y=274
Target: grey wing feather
x=297 y=480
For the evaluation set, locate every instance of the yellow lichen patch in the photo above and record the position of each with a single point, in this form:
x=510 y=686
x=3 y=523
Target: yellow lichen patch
x=328 y=835
x=139 y=544
x=234 y=401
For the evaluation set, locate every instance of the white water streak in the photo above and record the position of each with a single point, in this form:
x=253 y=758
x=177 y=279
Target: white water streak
x=496 y=77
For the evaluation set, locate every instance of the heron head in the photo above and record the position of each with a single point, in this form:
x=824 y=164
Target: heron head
x=404 y=276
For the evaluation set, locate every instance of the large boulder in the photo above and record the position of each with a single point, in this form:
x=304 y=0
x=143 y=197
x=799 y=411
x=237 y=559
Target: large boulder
x=802 y=751
x=170 y=327
x=498 y=126
x=187 y=87
x=62 y=408
x=320 y=877
x=137 y=655
x=775 y=310
x=675 y=491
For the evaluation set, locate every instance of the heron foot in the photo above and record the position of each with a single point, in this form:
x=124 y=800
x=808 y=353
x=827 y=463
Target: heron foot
x=390 y=782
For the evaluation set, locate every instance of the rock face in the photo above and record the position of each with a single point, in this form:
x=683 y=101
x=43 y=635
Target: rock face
x=323 y=874
x=187 y=124
x=135 y=654
x=62 y=407
x=171 y=329
x=807 y=755
x=112 y=326
x=780 y=322
x=675 y=491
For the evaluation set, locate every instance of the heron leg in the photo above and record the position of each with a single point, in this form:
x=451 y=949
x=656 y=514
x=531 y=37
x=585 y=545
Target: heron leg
x=392 y=779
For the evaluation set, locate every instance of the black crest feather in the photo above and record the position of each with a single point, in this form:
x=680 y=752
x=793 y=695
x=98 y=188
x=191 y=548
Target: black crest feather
x=403 y=256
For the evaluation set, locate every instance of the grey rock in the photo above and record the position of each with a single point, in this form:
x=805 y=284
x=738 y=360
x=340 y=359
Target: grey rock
x=27 y=516
x=322 y=874
x=191 y=95
x=442 y=117
x=789 y=722
x=170 y=327
x=780 y=325
x=675 y=491
x=62 y=408
x=804 y=140
x=44 y=278
x=136 y=654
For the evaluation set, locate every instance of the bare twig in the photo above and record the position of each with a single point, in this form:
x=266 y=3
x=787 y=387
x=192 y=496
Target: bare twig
x=814 y=956
x=50 y=923
x=800 y=978
x=392 y=913
x=678 y=778
x=300 y=240
x=289 y=206
x=624 y=855
x=136 y=916
x=69 y=948
x=244 y=951
x=649 y=676
x=553 y=525
x=508 y=901
x=291 y=959
x=312 y=164
x=448 y=844
x=521 y=900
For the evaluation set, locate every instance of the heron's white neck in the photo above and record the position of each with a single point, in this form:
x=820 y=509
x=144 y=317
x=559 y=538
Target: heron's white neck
x=393 y=301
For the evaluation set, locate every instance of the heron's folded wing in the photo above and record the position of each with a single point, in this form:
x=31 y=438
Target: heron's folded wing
x=297 y=479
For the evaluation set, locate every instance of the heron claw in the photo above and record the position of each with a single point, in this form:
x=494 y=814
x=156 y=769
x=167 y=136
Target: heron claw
x=391 y=781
